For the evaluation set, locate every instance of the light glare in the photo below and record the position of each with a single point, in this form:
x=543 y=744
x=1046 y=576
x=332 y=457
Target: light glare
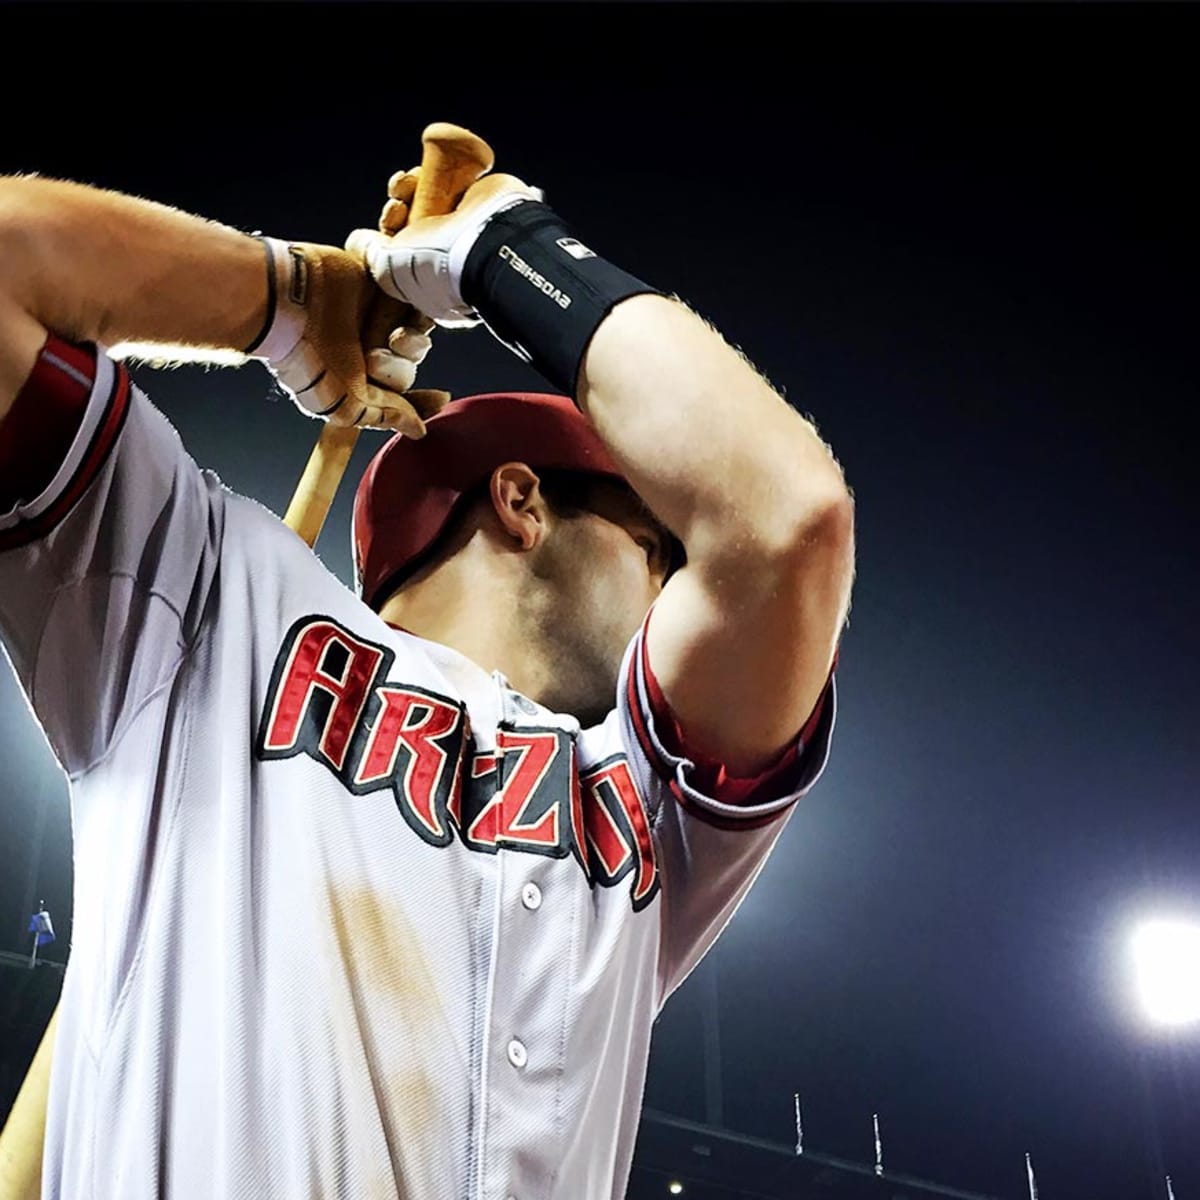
x=675 y=1187
x=1167 y=957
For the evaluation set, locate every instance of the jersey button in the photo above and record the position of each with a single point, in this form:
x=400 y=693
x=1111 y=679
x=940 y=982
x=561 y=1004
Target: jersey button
x=517 y=1054
x=531 y=897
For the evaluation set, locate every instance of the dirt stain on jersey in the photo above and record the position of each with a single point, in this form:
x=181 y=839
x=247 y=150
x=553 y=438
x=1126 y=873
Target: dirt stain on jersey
x=401 y=1022
x=382 y=952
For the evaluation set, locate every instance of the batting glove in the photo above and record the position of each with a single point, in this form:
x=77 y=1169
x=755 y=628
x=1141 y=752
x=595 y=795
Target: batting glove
x=312 y=343
x=422 y=264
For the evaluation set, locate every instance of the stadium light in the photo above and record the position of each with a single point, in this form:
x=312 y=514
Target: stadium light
x=1166 y=954
x=675 y=1187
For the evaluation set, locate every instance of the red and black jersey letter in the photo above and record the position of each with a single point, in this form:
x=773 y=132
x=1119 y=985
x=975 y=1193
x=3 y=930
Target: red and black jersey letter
x=319 y=688
x=416 y=741
x=618 y=831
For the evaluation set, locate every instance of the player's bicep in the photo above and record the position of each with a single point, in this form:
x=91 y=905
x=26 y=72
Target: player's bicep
x=743 y=650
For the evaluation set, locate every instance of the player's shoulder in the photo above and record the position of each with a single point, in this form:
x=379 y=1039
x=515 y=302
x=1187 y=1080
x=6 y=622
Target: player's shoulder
x=279 y=566
x=254 y=519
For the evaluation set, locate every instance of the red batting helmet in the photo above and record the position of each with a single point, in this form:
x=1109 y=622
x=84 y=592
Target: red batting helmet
x=411 y=488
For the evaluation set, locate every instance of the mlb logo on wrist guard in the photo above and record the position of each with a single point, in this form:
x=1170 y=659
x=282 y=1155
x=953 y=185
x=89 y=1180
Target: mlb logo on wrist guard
x=575 y=248
x=550 y=323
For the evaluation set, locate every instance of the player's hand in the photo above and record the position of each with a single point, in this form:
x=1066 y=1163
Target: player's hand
x=401 y=189
x=317 y=351
x=408 y=343
x=422 y=263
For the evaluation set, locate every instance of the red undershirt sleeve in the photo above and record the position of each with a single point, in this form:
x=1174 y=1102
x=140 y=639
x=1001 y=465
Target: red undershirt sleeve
x=703 y=785
x=37 y=432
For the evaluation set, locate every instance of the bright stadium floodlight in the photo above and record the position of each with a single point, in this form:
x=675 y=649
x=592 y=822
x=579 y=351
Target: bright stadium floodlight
x=675 y=1187
x=1166 y=954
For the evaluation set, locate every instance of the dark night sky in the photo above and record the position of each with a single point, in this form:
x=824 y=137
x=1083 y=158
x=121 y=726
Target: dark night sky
x=961 y=237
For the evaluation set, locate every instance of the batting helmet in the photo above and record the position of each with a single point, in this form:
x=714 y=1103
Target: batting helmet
x=411 y=489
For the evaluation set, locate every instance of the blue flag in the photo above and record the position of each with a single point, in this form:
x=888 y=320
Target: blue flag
x=40 y=924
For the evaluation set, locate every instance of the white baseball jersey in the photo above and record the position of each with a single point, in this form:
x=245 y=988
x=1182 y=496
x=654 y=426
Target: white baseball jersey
x=353 y=919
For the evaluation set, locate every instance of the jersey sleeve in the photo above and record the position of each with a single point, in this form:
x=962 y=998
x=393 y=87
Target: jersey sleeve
x=712 y=830
x=109 y=535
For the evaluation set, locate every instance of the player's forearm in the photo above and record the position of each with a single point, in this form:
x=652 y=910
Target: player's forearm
x=708 y=443
x=93 y=264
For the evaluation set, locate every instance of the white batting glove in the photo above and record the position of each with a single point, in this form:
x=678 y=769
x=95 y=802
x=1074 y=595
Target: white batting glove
x=423 y=263
x=396 y=366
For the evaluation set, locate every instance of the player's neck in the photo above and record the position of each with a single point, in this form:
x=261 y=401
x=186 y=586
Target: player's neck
x=478 y=608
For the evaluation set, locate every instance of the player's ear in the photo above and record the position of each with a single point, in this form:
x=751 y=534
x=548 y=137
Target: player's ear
x=518 y=503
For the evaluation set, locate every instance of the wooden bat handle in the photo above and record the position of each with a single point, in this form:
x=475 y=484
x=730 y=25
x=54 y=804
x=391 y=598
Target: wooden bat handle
x=24 y=1132
x=319 y=481
x=452 y=158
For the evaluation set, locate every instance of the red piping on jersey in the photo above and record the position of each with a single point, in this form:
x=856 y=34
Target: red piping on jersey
x=709 y=776
x=37 y=433
x=39 y=428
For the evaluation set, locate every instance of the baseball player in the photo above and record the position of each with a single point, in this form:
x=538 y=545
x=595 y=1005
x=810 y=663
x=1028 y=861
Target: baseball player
x=379 y=894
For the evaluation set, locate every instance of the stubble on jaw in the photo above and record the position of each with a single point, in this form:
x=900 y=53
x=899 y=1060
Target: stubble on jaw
x=580 y=623
x=580 y=665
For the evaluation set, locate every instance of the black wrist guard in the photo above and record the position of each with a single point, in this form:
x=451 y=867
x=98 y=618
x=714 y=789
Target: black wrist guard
x=542 y=292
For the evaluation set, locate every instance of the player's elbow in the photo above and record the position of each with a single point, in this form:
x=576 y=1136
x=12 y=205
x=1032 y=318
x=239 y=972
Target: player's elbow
x=825 y=514
x=820 y=544
x=815 y=520
x=790 y=531
x=801 y=560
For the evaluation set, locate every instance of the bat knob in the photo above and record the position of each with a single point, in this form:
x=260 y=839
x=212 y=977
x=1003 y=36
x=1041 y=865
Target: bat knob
x=452 y=159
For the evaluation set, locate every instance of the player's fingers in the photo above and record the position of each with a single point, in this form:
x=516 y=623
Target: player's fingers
x=362 y=241
x=427 y=401
x=409 y=344
x=394 y=216
x=385 y=315
x=396 y=412
x=377 y=408
x=403 y=316
x=371 y=416
x=392 y=371
x=403 y=184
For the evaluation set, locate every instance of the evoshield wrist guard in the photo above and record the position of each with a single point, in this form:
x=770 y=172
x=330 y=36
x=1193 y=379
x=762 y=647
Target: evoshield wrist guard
x=541 y=291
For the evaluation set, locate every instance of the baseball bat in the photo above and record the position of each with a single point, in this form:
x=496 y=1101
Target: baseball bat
x=24 y=1133
x=452 y=158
